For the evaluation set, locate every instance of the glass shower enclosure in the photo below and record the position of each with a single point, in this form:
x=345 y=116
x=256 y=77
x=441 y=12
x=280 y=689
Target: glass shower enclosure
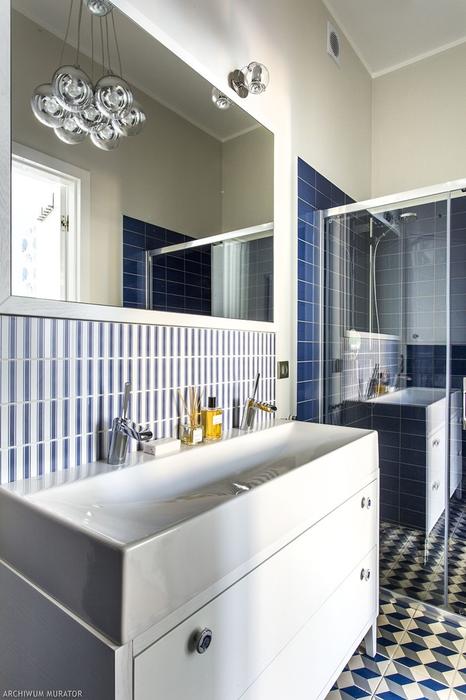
x=393 y=359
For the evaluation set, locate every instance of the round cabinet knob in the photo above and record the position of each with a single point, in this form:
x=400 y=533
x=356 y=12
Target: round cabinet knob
x=203 y=640
x=369 y=503
x=363 y=502
x=436 y=485
x=436 y=442
x=365 y=574
x=366 y=502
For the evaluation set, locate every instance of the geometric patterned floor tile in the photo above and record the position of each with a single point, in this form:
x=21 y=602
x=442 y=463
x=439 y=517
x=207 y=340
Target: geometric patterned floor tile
x=350 y=693
x=427 y=658
x=435 y=631
x=458 y=689
x=421 y=654
x=402 y=686
x=363 y=672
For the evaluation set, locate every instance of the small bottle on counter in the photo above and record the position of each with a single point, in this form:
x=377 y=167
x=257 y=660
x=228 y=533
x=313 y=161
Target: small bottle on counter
x=212 y=420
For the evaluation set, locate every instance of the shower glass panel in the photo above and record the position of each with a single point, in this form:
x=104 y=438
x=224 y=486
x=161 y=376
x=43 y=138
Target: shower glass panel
x=389 y=349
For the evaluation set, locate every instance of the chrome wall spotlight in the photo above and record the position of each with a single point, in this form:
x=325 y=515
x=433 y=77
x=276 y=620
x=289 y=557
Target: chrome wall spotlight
x=252 y=79
x=220 y=100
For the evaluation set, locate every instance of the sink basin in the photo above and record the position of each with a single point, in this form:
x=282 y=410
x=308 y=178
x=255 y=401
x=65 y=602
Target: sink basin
x=413 y=396
x=124 y=548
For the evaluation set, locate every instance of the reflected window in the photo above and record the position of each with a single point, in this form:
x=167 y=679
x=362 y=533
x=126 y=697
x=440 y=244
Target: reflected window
x=45 y=230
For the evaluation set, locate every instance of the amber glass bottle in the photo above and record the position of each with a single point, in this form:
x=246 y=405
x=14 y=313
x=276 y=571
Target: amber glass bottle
x=212 y=420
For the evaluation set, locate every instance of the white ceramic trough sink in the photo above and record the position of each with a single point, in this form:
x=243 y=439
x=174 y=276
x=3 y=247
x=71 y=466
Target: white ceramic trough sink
x=125 y=548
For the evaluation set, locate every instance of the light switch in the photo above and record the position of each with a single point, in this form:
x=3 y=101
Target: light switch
x=283 y=369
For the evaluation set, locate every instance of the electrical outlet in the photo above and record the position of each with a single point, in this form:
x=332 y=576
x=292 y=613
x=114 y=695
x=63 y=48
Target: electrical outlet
x=283 y=369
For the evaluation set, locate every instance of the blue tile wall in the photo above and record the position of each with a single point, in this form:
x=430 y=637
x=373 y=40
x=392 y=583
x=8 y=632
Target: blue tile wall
x=182 y=281
x=315 y=192
x=61 y=383
x=260 y=279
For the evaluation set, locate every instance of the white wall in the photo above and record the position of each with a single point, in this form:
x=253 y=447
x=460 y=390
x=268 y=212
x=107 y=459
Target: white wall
x=247 y=180
x=316 y=109
x=419 y=124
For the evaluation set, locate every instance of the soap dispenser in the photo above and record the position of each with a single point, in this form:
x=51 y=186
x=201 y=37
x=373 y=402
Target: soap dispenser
x=212 y=420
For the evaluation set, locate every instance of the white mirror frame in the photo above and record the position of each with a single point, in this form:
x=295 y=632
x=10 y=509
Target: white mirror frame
x=29 y=306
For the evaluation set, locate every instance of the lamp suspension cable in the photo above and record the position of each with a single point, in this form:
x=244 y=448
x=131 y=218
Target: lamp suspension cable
x=77 y=106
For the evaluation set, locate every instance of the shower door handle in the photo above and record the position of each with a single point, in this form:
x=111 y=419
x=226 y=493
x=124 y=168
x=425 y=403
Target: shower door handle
x=464 y=403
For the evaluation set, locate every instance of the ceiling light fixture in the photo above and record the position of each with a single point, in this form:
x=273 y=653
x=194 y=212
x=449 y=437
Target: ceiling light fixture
x=76 y=108
x=253 y=79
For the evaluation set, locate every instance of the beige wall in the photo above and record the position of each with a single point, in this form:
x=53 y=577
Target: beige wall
x=325 y=110
x=147 y=177
x=419 y=124
x=247 y=180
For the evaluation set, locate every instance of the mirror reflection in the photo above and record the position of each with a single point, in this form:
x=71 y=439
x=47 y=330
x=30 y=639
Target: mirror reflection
x=120 y=150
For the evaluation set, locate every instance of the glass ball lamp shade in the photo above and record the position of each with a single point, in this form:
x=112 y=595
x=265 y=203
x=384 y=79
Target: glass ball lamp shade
x=91 y=119
x=130 y=123
x=220 y=100
x=256 y=78
x=46 y=107
x=100 y=8
x=106 y=139
x=113 y=96
x=70 y=132
x=72 y=88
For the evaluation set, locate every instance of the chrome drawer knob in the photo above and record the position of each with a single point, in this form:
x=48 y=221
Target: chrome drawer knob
x=203 y=640
x=436 y=442
x=366 y=502
x=436 y=485
x=365 y=574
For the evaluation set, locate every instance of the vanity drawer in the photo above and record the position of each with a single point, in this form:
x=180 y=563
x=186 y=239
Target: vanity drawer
x=253 y=620
x=312 y=661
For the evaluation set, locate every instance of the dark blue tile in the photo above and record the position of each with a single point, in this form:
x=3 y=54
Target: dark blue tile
x=306 y=192
x=173 y=237
x=308 y=232
x=175 y=288
x=323 y=185
x=306 y=272
x=134 y=281
x=306 y=331
x=130 y=252
x=322 y=201
x=337 y=197
x=135 y=225
x=306 y=212
x=307 y=351
x=306 y=172
x=135 y=239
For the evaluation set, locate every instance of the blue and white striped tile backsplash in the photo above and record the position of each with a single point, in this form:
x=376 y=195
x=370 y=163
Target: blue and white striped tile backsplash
x=61 y=383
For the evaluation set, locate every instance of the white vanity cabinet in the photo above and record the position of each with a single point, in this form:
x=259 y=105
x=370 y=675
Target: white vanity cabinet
x=268 y=590
x=321 y=589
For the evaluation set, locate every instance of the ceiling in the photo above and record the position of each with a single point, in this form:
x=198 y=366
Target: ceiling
x=149 y=66
x=388 y=34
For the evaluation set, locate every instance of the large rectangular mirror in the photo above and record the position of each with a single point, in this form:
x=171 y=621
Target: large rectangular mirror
x=97 y=201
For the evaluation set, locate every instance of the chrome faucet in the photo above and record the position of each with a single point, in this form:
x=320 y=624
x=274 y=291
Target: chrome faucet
x=401 y=379
x=251 y=407
x=122 y=430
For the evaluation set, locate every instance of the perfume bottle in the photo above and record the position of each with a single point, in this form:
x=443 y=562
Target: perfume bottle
x=212 y=420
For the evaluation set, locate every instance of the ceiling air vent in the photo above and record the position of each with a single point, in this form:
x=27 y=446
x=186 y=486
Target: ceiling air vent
x=333 y=43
